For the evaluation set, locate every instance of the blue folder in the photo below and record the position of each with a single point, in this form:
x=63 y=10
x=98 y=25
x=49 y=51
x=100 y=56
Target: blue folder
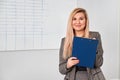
x=85 y=50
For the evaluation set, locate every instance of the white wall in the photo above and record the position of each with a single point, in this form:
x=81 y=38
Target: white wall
x=104 y=18
x=30 y=65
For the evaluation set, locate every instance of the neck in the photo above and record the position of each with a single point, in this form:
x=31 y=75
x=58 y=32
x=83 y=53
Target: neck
x=79 y=33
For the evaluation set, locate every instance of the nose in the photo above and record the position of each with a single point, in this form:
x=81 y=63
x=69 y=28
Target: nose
x=77 y=21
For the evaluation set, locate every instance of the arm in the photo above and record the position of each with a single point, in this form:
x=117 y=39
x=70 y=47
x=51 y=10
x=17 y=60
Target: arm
x=62 y=62
x=99 y=54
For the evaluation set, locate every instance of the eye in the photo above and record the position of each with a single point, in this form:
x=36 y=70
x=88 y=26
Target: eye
x=74 y=19
x=81 y=18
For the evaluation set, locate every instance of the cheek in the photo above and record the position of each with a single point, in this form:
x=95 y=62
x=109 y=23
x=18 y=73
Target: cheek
x=83 y=22
x=73 y=25
x=73 y=22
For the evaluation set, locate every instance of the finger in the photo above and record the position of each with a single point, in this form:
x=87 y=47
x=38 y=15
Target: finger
x=75 y=61
x=94 y=38
x=74 y=58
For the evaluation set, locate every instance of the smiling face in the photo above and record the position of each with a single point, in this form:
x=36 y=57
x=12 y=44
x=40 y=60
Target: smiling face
x=79 y=22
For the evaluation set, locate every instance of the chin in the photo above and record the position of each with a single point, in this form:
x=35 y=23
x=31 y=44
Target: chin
x=79 y=29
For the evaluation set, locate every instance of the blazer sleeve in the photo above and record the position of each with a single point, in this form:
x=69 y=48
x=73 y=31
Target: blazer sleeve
x=62 y=62
x=99 y=54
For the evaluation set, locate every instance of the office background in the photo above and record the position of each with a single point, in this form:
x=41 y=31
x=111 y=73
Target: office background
x=34 y=62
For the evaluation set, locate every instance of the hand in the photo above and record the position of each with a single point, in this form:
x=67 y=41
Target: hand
x=72 y=61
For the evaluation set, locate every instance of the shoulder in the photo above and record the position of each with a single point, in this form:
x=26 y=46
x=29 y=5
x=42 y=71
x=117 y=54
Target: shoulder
x=63 y=39
x=94 y=33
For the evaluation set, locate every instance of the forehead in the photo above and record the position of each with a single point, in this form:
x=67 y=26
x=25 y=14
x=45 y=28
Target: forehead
x=79 y=14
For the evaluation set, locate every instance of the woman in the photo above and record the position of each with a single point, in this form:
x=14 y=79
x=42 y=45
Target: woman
x=78 y=25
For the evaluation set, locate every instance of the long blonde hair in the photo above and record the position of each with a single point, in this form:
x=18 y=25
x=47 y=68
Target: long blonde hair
x=70 y=33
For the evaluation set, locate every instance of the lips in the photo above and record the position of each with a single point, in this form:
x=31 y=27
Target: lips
x=77 y=25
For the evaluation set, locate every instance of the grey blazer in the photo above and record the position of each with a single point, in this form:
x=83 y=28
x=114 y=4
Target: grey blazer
x=95 y=73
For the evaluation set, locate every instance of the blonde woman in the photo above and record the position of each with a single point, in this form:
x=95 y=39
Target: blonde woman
x=78 y=25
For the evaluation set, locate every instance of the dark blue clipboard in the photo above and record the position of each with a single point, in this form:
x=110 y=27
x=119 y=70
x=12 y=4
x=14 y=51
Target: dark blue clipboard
x=85 y=50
